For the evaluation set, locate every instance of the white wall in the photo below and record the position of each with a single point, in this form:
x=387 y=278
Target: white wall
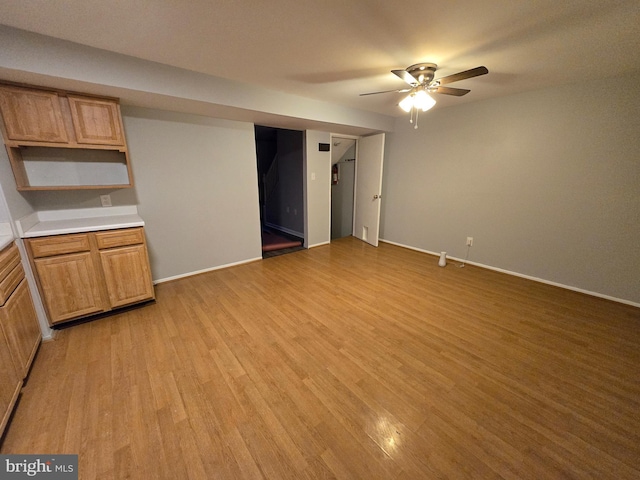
x=317 y=174
x=197 y=189
x=4 y=209
x=16 y=202
x=547 y=183
x=13 y=206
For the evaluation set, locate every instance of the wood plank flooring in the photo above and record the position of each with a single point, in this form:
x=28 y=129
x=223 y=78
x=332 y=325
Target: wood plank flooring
x=348 y=362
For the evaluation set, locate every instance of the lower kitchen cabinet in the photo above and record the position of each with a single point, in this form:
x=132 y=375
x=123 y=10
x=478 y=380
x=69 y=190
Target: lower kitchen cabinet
x=83 y=274
x=10 y=383
x=19 y=330
x=126 y=263
x=20 y=326
x=70 y=286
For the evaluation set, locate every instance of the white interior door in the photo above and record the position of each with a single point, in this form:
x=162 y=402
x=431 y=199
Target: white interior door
x=368 y=190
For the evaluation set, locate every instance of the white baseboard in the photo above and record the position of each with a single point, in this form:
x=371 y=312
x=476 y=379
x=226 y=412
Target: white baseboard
x=49 y=336
x=319 y=244
x=197 y=272
x=521 y=275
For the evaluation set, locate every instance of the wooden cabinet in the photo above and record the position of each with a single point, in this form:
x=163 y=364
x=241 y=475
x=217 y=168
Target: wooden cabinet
x=54 y=138
x=96 y=121
x=10 y=271
x=10 y=383
x=19 y=330
x=66 y=119
x=88 y=273
x=70 y=286
x=123 y=254
x=18 y=319
x=32 y=115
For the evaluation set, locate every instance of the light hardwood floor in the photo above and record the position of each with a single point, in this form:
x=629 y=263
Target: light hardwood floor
x=349 y=362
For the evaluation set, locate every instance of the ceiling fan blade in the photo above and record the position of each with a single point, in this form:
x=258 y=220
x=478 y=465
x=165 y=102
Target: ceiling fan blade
x=458 y=92
x=406 y=76
x=456 y=77
x=386 y=91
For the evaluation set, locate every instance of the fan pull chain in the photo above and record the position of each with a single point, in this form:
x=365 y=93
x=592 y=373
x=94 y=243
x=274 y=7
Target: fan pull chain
x=416 y=125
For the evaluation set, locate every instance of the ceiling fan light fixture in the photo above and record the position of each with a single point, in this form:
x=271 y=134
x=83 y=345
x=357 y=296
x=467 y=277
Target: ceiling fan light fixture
x=407 y=103
x=423 y=101
x=419 y=100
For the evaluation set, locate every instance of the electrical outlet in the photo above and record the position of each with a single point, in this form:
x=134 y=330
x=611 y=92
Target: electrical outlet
x=469 y=241
x=105 y=200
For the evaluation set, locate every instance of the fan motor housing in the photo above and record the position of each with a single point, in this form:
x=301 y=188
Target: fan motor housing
x=423 y=72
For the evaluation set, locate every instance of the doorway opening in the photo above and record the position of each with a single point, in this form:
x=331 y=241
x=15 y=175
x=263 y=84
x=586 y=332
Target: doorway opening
x=280 y=160
x=343 y=174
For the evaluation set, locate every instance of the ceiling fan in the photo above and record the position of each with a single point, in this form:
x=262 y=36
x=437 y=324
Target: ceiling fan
x=420 y=77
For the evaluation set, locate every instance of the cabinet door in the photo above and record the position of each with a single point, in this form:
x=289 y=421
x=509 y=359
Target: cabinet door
x=18 y=319
x=32 y=115
x=96 y=121
x=127 y=274
x=70 y=286
x=10 y=382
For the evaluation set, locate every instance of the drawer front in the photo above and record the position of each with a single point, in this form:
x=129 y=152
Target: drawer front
x=120 y=238
x=59 y=245
x=10 y=282
x=9 y=258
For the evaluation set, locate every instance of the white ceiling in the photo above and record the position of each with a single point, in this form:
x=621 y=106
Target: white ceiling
x=333 y=50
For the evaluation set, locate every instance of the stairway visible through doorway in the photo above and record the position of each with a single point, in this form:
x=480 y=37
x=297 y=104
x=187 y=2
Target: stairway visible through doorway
x=277 y=243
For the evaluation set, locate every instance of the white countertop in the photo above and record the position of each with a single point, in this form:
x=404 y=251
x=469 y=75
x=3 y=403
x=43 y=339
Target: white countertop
x=58 y=222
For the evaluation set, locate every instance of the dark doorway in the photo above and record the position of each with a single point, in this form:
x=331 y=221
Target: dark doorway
x=280 y=160
x=343 y=161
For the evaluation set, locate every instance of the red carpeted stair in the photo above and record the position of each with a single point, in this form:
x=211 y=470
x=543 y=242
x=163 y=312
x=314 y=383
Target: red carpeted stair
x=271 y=241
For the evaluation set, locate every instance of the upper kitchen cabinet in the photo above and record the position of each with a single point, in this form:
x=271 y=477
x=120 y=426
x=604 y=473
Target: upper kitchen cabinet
x=58 y=140
x=32 y=115
x=96 y=121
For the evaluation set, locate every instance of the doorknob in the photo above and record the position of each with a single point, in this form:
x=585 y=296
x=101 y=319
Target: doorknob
x=375 y=197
